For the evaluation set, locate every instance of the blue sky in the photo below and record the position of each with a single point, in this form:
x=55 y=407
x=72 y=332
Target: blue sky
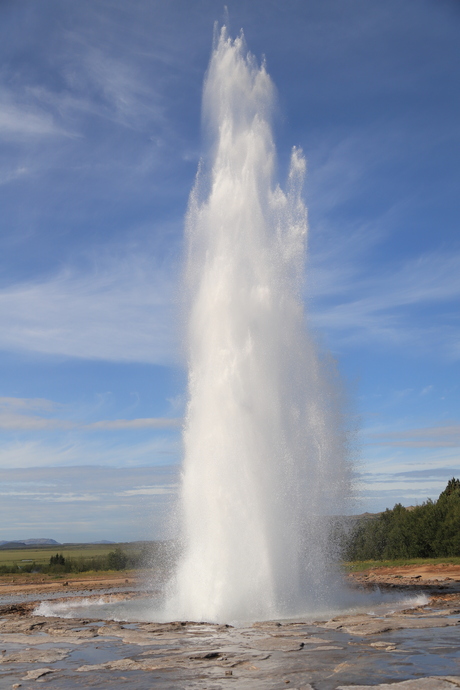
x=100 y=138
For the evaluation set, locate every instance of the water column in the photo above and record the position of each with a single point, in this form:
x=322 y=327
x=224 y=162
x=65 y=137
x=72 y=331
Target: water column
x=263 y=447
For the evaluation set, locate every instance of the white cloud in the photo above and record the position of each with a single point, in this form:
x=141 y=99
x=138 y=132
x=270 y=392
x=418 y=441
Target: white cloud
x=11 y=422
x=28 y=423
x=12 y=172
x=379 y=307
x=124 y=310
x=28 y=404
x=405 y=479
x=79 y=450
x=26 y=120
x=129 y=96
x=120 y=311
x=147 y=423
x=68 y=497
x=427 y=437
x=86 y=503
x=12 y=418
x=426 y=390
x=150 y=490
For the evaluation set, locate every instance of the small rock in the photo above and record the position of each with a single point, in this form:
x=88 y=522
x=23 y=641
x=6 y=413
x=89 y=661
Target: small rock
x=208 y=655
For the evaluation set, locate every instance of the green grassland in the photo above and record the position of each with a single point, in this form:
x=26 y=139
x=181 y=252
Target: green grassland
x=356 y=566
x=23 y=558
x=41 y=554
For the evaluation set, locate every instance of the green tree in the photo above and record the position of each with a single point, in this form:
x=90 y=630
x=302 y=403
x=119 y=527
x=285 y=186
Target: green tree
x=429 y=530
x=117 y=560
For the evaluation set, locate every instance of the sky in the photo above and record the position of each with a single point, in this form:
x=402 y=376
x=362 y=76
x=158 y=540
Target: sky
x=100 y=138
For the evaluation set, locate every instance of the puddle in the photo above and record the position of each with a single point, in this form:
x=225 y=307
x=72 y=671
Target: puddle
x=105 y=607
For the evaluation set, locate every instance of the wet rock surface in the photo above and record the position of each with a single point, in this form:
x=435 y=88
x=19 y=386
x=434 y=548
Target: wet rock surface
x=417 y=648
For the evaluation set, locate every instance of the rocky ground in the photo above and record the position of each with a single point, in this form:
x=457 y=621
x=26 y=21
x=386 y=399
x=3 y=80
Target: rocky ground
x=409 y=649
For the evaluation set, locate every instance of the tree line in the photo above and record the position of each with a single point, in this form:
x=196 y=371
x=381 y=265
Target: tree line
x=430 y=530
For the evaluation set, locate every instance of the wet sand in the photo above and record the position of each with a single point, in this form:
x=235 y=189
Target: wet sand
x=409 y=649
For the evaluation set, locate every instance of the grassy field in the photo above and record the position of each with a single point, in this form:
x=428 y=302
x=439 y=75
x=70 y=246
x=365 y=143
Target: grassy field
x=41 y=554
x=356 y=566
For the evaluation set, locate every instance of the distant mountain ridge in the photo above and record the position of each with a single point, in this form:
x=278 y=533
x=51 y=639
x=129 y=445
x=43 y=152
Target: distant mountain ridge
x=24 y=543
x=29 y=542
x=21 y=543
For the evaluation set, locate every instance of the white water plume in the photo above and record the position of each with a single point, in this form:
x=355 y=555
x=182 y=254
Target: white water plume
x=264 y=444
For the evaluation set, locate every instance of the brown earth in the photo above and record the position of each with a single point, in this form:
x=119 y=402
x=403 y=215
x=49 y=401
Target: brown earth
x=40 y=585
x=409 y=575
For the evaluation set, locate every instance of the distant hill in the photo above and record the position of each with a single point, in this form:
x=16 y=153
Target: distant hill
x=103 y=541
x=27 y=542
x=24 y=543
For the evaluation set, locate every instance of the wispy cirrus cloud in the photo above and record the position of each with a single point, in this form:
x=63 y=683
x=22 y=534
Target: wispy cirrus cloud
x=41 y=404
x=11 y=422
x=80 y=450
x=406 y=479
x=428 y=437
x=12 y=418
x=86 y=79
x=365 y=287
x=60 y=436
x=27 y=119
x=97 y=86
x=125 y=310
x=18 y=422
x=121 y=311
x=385 y=306
x=145 y=423
x=153 y=490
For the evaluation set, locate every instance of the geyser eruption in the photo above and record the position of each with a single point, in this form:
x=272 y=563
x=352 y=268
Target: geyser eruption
x=264 y=451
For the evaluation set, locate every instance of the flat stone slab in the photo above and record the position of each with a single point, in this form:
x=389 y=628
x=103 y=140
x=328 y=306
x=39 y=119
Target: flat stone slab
x=32 y=656
x=368 y=625
x=281 y=644
x=37 y=673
